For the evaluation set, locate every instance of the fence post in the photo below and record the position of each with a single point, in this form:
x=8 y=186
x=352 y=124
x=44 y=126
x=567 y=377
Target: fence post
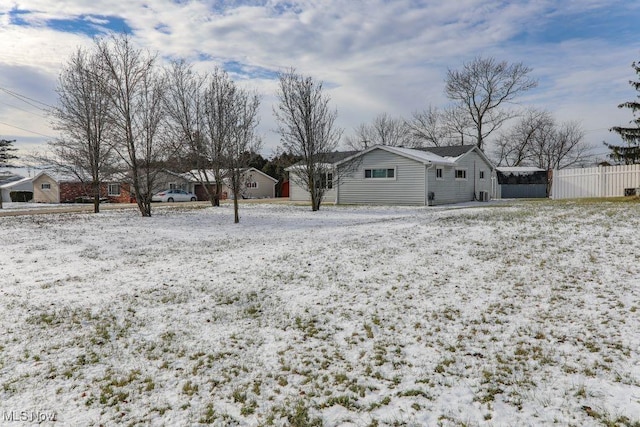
x=601 y=182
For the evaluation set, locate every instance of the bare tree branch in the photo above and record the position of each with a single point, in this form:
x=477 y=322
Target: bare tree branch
x=483 y=86
x=307 y=129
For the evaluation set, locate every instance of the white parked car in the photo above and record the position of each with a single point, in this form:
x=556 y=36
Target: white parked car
x=174 y=196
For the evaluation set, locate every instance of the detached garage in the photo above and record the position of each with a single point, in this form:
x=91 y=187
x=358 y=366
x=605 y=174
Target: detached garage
x=521 y=183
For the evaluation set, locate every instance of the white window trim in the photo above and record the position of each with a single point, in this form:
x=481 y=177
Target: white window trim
x=110 y=193
x=253 y=185
x=45 y=186
x=441 y=177
x=456 y=173
x=364 y=174
x=482 y=175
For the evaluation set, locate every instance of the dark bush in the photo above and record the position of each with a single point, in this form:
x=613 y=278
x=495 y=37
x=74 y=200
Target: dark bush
x=21 y=196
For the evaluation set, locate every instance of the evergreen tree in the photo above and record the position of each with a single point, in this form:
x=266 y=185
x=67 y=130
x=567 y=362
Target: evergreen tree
x=6 y=155
x=630 y=153
x=6 y=152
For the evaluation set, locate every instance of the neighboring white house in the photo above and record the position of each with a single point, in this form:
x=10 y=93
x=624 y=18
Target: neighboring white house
x=386 y=175
x=21 y=185
x=16 y=179
x=258 y=185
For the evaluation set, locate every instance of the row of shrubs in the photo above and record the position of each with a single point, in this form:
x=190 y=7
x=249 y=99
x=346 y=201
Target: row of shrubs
x=27 y=196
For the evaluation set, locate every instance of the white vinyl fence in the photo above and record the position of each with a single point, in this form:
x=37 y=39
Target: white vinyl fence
x=601 y=181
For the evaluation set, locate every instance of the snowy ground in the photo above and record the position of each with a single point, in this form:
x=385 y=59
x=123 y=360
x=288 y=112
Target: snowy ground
x=488 y=316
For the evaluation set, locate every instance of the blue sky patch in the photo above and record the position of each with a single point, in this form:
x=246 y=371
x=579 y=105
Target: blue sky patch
x=610 y=25
x=90 y=25
x=249 y=71
x=16 y=17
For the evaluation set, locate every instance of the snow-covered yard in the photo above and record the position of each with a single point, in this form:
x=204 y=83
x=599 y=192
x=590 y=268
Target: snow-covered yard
x=490 y=315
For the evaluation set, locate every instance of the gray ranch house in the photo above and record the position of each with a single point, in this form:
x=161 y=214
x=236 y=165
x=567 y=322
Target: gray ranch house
x=298 y=193
x=384 y=175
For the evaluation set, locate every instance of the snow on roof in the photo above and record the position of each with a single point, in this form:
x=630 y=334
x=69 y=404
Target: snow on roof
x=16 y=183
x=420 y=155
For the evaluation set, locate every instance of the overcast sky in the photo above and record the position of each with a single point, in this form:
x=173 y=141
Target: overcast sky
x=374 y=56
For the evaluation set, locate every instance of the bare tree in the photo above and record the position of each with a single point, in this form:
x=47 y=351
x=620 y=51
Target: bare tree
x=243 y=141
x=458 y=126
x=426 y=128
x=219 y=120
x=361 y=139
x=82 y=117
x=186 y=110
x=561 y=147
x=384 y=130
x=515 y=146
x=537 y=140
x=307 y=129
x=435 y=128
x=135 y=89
x=483 y=86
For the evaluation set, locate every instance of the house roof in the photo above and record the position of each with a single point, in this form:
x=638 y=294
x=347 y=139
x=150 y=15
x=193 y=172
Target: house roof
x=336 y=156
x=261 y=173
x=450 y=151
x=421 y=156
x=15 y=183
x=333 y=157
x=456 y=152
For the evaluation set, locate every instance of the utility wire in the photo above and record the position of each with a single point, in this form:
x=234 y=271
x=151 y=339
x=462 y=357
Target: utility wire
x=24 y=98
x=26 y=130
x=22 y=109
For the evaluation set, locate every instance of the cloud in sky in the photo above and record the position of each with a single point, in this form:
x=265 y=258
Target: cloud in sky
x=374 y=56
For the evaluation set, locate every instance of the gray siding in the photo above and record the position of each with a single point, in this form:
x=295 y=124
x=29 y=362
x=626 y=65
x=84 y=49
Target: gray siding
x=520 y=191
x=408 y=187
x=451 y=190
x=265 y=186
x=299 y=194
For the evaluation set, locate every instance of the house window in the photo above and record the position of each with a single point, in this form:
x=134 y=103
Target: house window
x=439 y=173
x=481 y=174
x=325 y=180
x=250 y=184
x=380 y=173
x=461 y=174
x=175 y=186
x=113 y=189
x=45 y=186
